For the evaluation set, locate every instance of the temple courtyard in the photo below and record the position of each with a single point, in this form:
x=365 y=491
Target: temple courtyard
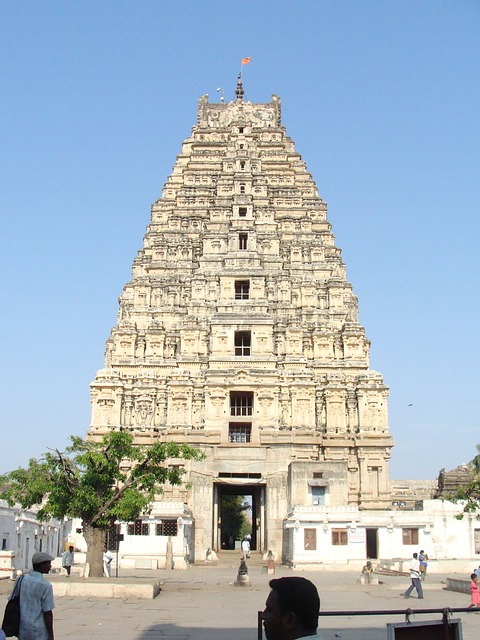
x=202 y=603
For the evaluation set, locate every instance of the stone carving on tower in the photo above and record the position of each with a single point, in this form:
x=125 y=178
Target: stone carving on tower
x=239 y=332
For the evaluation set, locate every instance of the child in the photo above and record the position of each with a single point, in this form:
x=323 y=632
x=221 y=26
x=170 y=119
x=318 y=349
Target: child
x=474 y=591
x=422 y=558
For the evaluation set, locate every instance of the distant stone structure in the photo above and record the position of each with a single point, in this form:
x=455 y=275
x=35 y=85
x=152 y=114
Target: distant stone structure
x=411 y=494
x=449 y=481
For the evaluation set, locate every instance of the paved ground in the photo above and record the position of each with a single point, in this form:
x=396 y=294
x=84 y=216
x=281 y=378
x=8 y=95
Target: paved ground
x=202 y=604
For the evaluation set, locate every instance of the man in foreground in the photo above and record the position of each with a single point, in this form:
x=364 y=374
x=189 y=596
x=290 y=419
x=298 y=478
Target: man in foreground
x=291 y=610
x=36 y=601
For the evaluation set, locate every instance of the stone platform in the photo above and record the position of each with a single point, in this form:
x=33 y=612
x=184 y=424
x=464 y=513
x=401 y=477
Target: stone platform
x=123 y=588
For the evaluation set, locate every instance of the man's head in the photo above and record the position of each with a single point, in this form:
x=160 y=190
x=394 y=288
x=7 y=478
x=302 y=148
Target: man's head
x=291 y=610
x=70 y=548
x=42 y=562
x=415 y=555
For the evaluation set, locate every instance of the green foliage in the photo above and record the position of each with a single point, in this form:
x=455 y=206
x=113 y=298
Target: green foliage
x=233 y=517
x=469 y=495
x=475 y=463
x=97 y=482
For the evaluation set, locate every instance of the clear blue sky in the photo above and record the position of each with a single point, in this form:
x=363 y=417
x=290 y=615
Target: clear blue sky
x=381 y=99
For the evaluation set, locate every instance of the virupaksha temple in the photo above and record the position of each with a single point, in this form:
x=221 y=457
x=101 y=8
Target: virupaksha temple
x=239 y=335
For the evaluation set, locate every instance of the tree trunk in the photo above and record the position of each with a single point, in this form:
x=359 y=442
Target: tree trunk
x=95 y=539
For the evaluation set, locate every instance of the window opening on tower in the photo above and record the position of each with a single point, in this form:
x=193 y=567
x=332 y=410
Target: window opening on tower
x=239 y=432
x=242 y=289
x=243 y=241
x=243 y=343
x=241 y=403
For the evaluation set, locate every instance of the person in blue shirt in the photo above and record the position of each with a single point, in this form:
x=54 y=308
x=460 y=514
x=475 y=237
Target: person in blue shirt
x=36 y=601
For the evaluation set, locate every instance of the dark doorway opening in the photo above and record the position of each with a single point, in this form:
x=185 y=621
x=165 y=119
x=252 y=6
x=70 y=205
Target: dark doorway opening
x=239 y=510
x=372 y=543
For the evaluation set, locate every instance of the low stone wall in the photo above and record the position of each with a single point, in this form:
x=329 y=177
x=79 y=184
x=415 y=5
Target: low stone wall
x=105 y=589
x=458 y=584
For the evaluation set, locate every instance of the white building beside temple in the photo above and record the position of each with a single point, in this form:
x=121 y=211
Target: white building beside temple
x=22 y=534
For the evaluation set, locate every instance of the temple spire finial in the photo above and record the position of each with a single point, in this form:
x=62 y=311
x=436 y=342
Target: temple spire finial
x=239 y=90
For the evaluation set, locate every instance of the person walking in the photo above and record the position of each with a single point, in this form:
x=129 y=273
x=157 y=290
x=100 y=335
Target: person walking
x=414 y=569
x=36 y=601
x=67 y=560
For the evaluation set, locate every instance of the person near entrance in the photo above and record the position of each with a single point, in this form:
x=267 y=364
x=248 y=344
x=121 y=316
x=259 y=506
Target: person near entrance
x=245 y=548
x=291 y=609
x=414 y=569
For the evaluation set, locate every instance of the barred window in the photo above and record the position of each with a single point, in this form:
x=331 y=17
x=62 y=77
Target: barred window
x=310 y=539
x=239 y=432
x=166 y=528
x=410 y=536
x=138 y=528
x=241 y=403
x=339 y=537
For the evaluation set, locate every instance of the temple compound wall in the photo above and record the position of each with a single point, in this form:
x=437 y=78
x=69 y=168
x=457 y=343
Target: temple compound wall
x=239 y=335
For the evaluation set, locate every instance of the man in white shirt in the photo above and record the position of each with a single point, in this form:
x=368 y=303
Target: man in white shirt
x=245 y=548
x=67 y=560
x=291 y=610
x=36 y=601
x=107 y=562
x=414 y=569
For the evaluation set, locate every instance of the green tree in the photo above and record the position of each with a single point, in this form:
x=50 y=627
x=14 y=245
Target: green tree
x=234 y=519
x=99 y=482
x=475 y=463
x=469 y=494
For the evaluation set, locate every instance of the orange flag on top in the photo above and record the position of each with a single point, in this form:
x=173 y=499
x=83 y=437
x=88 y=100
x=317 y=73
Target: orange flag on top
x=246 y=60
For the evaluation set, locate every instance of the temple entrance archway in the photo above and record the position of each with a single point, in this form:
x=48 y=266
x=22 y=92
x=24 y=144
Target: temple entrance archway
x=224 y=526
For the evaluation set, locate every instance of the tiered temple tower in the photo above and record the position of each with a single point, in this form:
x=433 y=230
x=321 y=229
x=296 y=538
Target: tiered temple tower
x=239 y=334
